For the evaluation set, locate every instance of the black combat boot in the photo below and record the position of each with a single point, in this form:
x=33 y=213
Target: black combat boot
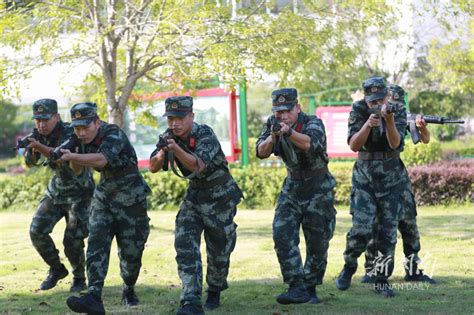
x=367 y=278
x=188 y=308
x=312 y=295
x=87 y=303
x=78 y=284
x=54 y=275
x=296 y=294
x=213 y=300
x=383 y=288
x=418 y=276
x=129 y=298
x=343 y=281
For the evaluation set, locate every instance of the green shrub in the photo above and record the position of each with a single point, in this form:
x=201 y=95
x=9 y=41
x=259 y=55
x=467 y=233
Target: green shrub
x=432 y=184
x=420 y=154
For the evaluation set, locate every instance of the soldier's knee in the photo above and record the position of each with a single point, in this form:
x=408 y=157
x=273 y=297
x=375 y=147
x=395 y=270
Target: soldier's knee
x=35 y=232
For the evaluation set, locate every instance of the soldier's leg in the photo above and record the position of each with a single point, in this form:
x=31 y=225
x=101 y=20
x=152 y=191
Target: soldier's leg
x=101 y=233
x=188 y=230
x=390 y=208
x=44 y=220
x=220 y=236
x=364 y=208
x=286 y=226
x=132 y=230
x=319 y=221
x=411 y=238
x=370 y=251
x=77 y=220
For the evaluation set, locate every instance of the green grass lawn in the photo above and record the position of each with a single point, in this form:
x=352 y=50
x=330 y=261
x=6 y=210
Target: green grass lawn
x=254 y=279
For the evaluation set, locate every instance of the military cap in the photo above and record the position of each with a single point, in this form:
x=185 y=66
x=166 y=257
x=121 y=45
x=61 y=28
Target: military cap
x=397 y=93
x=374 y=89
x=284 y=99
x=178 y=106
x=44 y=108
x=83 y=113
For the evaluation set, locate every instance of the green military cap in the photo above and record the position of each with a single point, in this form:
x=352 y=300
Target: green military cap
x=83 y=113
x=178 y=106
x=44 y=108
x=284 y=99
x=374 y=89
x=397 y=93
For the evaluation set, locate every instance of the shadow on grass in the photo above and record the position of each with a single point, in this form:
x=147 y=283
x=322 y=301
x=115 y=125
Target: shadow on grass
x=450 y=295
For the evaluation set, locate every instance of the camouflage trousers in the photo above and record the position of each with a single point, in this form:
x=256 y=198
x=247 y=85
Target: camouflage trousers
x=366 y=209
x=130 y=227
x=408 y=230
x=216 y=220
x=44 y=220
x=411 y=243
x=317 y=217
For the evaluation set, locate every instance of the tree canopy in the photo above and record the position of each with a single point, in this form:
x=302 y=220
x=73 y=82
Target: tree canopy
x=172 y=44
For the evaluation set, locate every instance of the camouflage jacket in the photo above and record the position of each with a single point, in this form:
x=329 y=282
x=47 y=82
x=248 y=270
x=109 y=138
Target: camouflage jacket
x=381 y=177
x=375 y=141
x=204 y=144
x=313 y=159
x=65 y=187
x=120 y=183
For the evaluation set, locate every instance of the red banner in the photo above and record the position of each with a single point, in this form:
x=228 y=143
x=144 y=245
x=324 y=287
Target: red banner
x=335 y=120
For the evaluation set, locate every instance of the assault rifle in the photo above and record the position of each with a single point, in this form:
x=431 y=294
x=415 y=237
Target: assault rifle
x=163 y=143
x=23 y=142
x=276 y=127
x=415 y=134
x=411 y=120
x=70 y=144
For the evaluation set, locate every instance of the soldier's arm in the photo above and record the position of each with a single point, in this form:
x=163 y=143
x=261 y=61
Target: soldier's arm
x=358 y=140
x=300 y=140
x=156 y=161
x=96 y=160
x=35 y=145
x=189 y=161
x=393 y=136
x=265 y=148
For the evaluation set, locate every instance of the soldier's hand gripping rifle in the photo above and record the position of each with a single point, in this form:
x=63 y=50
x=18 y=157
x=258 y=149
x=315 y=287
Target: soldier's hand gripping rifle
x=276 y=127
x=391 y=108
x=163 y=143
x=414 y=132
x=70 y=144
x=23 y=142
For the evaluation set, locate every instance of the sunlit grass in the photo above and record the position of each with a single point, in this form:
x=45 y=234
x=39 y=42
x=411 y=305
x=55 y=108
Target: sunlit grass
x=254 y=278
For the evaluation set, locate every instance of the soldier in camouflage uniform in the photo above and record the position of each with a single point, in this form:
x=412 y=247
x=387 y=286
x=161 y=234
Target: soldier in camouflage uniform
x=209 y=205
x=306 y=198
x=68 y=195
x=118 y=208
x=379 y=180
x=407 y=224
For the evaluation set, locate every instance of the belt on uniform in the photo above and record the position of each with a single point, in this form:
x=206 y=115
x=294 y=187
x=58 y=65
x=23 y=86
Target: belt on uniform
x=120 y=173
x=303 y=174
x=378 y=155
x=204 y=184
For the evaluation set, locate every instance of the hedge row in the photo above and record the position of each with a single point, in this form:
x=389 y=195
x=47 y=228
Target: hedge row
x=443 y=182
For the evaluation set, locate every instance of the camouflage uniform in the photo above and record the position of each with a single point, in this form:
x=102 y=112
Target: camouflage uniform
x=407 y=224
x=67 y=195
x=306 y=200
x=209 y=206
x=119 y=205
x=378 y=187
